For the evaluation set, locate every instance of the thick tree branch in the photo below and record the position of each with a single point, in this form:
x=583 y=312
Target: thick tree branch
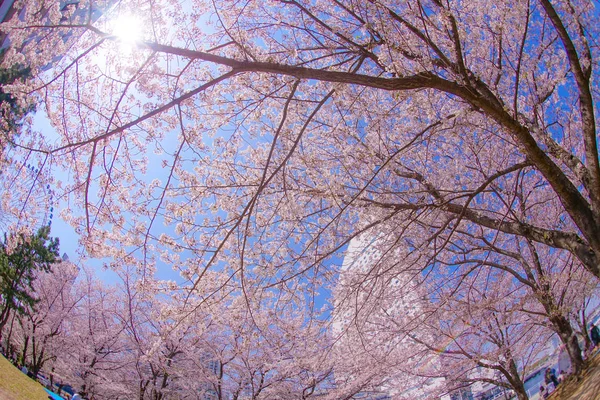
x=586 y=104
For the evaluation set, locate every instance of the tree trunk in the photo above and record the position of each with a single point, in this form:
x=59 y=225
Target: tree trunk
x=24 y=354
x=143 y=386
x=4 y=318
x=515 y=381
x=522 y=394
x=562 y=326
x=12 y=322
x=37 y=363
x=567 y=335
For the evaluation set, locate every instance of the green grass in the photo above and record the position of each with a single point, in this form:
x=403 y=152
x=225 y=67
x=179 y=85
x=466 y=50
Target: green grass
x=15 y=385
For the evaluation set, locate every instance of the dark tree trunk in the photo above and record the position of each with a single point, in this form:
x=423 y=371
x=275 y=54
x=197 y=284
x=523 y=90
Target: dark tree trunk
x=562 y=326
x=36 y=366
x=515 y=381
x=8 y=344
x=567 y=335
x=4 y=315
x=24 y=353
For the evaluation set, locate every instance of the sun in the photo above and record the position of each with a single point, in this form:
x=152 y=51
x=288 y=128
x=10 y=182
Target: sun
x=127 y=28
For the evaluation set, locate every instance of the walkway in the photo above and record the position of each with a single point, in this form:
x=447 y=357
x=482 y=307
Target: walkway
x=588 y=388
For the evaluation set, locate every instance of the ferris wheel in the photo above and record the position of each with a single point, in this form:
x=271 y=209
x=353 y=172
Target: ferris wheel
x=26 y=199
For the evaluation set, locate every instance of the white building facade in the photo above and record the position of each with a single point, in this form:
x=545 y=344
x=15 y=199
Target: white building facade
x=371 y=300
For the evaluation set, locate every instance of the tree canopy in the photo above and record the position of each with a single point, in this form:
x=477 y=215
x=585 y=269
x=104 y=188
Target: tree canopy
x=21 y=258
x=11 y=109
x=363 y=114
x=246 y=144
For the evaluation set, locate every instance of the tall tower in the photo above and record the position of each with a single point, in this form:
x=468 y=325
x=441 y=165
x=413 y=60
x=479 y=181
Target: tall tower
x=377 y=300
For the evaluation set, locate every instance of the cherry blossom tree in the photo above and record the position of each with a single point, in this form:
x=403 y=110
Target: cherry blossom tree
x=344 y=108
x=257 y=139
x=487 y=338
x=553 y=282
x=435 y=334
x=268 y=354
x=42 y=334
x=153 y=338
x=92 y=355
x=221 y=348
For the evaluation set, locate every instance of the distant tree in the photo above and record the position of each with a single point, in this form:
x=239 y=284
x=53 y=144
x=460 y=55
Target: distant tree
x=11 y=110
x=483 y=334
x=93 y=356
x=41 y=336
x=21 y=257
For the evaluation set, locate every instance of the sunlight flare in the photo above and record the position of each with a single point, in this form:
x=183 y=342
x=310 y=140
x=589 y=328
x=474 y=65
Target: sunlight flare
x=127 y=28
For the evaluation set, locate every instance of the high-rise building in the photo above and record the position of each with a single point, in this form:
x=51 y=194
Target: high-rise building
x=370 y=297
x=370 y=270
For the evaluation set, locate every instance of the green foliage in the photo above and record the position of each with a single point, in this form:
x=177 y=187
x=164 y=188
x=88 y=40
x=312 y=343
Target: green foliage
x=19 y=265
x=11 y=112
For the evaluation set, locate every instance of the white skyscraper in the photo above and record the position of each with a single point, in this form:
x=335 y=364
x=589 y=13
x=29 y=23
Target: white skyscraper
x=374 y=298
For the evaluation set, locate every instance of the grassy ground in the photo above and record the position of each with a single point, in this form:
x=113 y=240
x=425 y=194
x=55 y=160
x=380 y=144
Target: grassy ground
x=586 y=388
x=14 y=385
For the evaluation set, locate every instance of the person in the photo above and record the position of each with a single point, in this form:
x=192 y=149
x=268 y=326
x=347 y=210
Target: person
x=24 y=369
x=595 y=334
x=554 y=378
x=550 y=377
